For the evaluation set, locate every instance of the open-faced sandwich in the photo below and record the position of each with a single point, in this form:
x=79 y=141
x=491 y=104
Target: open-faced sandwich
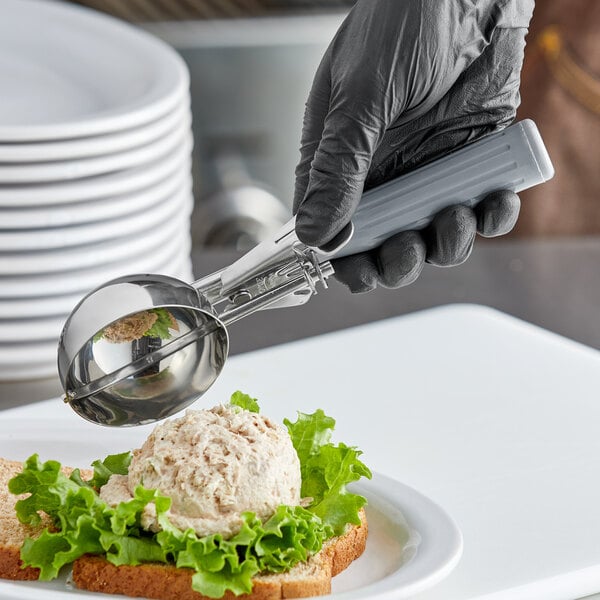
x=218 y=503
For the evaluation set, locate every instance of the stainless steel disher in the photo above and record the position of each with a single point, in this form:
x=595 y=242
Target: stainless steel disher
x=142 y=347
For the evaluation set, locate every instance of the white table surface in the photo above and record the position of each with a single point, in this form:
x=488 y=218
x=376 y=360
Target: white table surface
x=496 y=420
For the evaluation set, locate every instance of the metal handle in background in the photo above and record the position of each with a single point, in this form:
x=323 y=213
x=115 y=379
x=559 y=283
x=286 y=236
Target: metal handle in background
x=512 y=159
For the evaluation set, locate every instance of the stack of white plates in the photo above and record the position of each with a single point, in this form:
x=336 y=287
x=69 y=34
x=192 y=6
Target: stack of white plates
x=95 y=173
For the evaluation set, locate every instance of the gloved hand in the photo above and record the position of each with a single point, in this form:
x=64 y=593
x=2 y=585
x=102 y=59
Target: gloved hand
x=404 y=82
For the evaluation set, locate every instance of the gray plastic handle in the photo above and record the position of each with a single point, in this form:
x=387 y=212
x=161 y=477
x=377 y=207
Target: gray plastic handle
x=512 y=159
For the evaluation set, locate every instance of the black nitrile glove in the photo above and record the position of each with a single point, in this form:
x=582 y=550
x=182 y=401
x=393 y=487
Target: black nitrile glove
x=404 y=82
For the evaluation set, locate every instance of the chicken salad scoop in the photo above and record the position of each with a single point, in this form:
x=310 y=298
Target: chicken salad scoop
x=214 y=464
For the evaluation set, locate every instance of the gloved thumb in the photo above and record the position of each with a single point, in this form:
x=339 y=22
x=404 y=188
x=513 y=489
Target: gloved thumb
x=337 y=176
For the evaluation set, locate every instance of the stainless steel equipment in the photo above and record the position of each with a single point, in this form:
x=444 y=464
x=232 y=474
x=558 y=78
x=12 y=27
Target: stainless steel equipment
x=126 y=378
x=240 y=212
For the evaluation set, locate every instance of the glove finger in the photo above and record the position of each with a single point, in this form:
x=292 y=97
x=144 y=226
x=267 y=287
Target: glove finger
x=401 y=259
x=450 y=236
x=358 y=272
x=497 y=213
x=359 y=112
x=355 y=122
x=317 y=107
x=396 y=263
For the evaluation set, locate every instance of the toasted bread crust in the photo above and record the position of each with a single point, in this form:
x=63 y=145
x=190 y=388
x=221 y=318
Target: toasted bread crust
x=11 y=566
x=164 y=582
x=350 y=546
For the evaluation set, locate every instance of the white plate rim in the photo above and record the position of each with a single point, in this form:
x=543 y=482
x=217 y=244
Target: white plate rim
x=110 y=143
x=53 y=305
x=83 y=280
x=102 y=186
x=122 y=248
x=81 y=168
x=45 y=306
x=97 y=210
x=24 y=240
x=172 y=79
x=441 y=540
x=429 y=519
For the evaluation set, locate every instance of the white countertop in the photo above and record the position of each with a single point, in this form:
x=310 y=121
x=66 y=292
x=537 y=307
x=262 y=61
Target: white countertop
x=496 y=420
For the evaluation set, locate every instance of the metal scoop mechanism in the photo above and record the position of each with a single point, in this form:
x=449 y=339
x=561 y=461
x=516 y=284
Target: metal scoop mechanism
x=142 y=347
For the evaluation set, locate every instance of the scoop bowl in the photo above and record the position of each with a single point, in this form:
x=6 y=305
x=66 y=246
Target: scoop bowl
x=139 y=349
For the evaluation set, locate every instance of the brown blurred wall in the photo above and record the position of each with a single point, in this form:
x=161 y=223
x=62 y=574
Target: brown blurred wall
x=560 y=90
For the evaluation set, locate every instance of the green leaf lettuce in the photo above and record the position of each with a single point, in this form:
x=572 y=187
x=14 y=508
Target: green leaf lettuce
x=326 y=469
x=244 y=401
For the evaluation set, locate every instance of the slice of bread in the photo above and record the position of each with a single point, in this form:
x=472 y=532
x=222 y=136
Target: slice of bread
x=12 y=531
x=166 y=582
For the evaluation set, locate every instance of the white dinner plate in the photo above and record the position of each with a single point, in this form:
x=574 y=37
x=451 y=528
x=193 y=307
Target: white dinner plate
x=412 y=545
x=118 y=78
x=97 y=145
x=92 y=255
x=87 y=279
x=52 y=305
x=76 y=213
x=21 y=240
x=12 y=356
x=37 y=306
x=102 y=186
x=30 y=371
x=29 y=173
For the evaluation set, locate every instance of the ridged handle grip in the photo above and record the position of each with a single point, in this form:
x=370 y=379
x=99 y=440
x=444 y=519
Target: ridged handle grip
x=512 y=159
